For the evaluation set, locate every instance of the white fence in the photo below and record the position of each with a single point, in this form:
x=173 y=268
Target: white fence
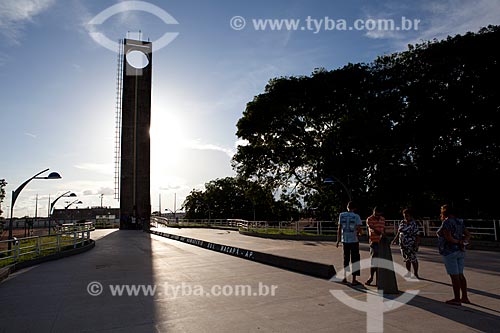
x=68 y=235
x=428 y=228
x=487 y=229
x=234 y=223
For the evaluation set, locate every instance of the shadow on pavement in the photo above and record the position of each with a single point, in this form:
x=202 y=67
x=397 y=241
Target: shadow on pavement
x=55 y=296
x=471 y=290
x=466 y=315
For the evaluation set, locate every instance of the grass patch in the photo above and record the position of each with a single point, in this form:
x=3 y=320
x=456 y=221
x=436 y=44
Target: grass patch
x=27 y=250
x=199 y=225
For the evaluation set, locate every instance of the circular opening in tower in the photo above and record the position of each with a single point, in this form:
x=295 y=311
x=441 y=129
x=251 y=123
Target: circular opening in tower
x=137 y=59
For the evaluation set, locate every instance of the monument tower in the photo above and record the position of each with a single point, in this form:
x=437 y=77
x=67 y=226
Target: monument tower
x=132 y=155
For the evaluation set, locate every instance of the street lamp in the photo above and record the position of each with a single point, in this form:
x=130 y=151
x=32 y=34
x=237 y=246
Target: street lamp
x=174 y=212
x=15 y=194
x=175 y=209
x=67 y=194
x=78 y=202
x=333 y=179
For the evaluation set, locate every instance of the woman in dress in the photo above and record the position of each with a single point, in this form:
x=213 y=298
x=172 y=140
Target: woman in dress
x=407 y=234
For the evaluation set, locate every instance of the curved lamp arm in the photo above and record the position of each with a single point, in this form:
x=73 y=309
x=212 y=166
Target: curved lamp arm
x=59 y=197
x=76 y=201
x=15 y=193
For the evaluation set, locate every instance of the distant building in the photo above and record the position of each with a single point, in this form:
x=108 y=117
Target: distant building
x=93 y=214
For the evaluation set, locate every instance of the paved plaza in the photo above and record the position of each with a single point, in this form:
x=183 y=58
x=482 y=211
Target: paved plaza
x=196 y=290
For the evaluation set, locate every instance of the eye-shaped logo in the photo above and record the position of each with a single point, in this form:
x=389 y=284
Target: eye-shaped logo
x=126 y=6
x=375 y=306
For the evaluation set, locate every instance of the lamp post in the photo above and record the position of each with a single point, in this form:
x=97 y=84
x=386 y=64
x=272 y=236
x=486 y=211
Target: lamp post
x=159 y=204
x=174 y=212
x=65 y=194
x=15 y=194
x=78 y=202
x=333 y=179
x=175 y=209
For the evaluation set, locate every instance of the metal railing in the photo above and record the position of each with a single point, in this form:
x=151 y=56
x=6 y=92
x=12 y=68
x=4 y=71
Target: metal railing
x=69 y=235
x=292 y=227
x=486 y=229
x=428 y=228
x=106 y=224
x=234 y=223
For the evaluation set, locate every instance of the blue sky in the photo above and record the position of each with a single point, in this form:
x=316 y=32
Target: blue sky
x=58 y=85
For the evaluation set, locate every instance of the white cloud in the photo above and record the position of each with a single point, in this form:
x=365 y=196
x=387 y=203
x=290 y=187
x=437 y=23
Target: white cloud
x=169 y=187
x=383 y=34
x=30 y=135
x=448 y=18
x=90 y=191
x=438 y=19
x=102 y=190
x=198 y=145
x=103 y=168
x=106 y=191
x=14 y=14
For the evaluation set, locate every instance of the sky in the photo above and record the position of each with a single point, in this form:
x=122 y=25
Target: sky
x=58 y=83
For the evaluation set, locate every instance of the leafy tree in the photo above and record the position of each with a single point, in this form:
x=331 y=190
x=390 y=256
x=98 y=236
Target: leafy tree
x=236 y=198
x=416 y=128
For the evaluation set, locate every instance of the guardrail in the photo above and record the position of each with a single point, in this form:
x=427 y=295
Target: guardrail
x=486 y=229
x=68 y=235
x=107 y=224
x=428 y=228
x=235 y=223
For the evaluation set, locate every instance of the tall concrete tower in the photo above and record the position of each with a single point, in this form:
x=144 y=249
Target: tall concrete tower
x=136 y=73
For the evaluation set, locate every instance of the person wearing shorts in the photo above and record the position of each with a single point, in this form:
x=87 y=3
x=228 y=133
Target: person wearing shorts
x=452 y=239
x=349 y=227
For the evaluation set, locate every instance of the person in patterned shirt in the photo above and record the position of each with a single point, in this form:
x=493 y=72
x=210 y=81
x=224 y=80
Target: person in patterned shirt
x=407 y=234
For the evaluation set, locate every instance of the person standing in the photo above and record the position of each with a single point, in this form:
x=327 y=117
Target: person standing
x=408 y=241
x=376 y=228
x=349 y=227
x=452 y=239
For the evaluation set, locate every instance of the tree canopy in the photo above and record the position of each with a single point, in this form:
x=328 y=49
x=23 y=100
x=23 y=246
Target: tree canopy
x=415 y=128
x=234 y=197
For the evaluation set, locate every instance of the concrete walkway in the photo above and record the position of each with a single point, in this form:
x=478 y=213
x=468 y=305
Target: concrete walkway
x=56 y=296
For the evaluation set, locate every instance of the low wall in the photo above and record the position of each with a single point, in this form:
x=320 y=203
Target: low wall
x=6 y=271
x=301 y=266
